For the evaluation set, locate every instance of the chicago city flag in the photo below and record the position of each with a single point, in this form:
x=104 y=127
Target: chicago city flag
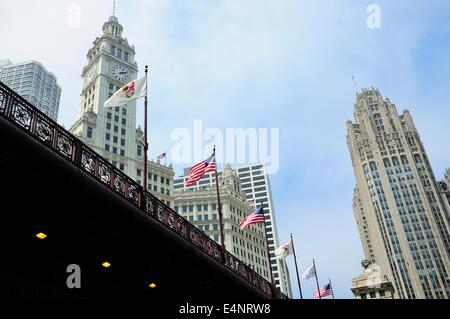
x=129 y=92
x=311 y=272
x=284 y=250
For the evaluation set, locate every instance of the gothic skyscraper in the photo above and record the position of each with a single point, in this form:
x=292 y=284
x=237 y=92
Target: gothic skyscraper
x=402 y=219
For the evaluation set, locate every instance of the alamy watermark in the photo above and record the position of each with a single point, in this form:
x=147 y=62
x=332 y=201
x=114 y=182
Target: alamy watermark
x=73 y=16
x=374 y=19
x=233 y=145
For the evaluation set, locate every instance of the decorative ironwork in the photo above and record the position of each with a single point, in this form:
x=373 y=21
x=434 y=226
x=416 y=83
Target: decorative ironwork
x=44 y=130
x=104 y=172
x=21 y=114
x=3 y=101
x=49 y=133
x=133 y=193
x=65 y=144
x=87 y=161
x=119 y=184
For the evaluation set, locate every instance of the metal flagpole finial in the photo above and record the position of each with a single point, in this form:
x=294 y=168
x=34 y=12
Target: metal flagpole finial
x=114 y=8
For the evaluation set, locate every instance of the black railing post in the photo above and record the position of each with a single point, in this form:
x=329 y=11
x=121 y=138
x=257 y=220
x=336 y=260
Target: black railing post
x=78 y=153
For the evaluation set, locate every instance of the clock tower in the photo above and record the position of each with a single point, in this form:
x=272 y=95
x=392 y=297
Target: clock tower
x=110 y=131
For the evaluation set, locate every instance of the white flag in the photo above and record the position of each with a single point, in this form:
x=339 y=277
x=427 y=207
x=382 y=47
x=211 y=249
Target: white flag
x=284 y=250
x=129 y=92
x=311 y=272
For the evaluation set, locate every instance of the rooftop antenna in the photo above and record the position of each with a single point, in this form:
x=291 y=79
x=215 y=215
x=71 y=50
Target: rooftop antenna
x=114 y=8
x=354 y=83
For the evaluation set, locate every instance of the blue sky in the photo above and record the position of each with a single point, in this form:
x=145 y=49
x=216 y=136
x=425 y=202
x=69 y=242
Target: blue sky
x=266 y=64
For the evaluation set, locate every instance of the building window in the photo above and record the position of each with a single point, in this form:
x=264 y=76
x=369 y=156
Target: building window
x=363 y=296
x=216 y=238
x=116 y=118
x=108 y=136
x=122 y=167
x=117 y=109
x=125 y=56
x=139 y=150
x=124 y=131
x=89 y=132
x=199 y=208
x=191 y=208
x=124 y=111
x=114 y=149
x=155 y=188
x=107 y=147
x=205 y=217
x=138 y=172
x=373 y=294
x=115 y=139
x=200 y=218
x=113 y=50
x=122 y=142
x=184 y=209
x=124 y=121
x=155 y=178
x=116 y=128
x=382 y=293
x=191 y=218
x=122 y=153
x=108 y=115
x=215 y=227
x=108 y=126
x=119 y=53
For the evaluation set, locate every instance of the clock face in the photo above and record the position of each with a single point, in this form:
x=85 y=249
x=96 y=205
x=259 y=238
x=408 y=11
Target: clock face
x=91 y=73
x=119 y=73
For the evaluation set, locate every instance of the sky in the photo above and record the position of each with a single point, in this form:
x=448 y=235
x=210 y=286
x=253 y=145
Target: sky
x=285 y=65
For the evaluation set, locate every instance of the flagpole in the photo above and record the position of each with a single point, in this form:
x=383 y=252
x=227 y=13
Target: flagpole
x=219 y=208
x=267 y=248
x=331 y=286
x=317 y=280
x=296 y=268
x=145 y=130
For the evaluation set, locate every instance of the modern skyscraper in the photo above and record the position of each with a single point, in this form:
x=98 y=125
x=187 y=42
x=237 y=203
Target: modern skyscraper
x=199 y=206
x=256 y=186
x=112 y=132
x=34 y=83
x=401 y=215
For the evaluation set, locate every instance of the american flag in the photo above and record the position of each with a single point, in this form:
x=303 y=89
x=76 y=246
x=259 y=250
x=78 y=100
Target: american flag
x=198 y=170
x=254 y=218
x=325 y=291
x=162 y=156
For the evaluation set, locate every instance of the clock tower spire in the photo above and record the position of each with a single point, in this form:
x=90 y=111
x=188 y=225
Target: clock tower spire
x=111 y=132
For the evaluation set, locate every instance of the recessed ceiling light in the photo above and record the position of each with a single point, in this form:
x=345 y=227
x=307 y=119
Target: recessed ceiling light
x=41 y=236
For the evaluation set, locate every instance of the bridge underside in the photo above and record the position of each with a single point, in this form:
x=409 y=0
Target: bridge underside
x=87 y=224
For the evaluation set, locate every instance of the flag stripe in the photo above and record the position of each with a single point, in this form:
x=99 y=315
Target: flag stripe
x=197 y=171
x=254 y=218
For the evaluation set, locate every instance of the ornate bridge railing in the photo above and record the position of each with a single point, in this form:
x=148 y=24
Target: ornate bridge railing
x=24 y=115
